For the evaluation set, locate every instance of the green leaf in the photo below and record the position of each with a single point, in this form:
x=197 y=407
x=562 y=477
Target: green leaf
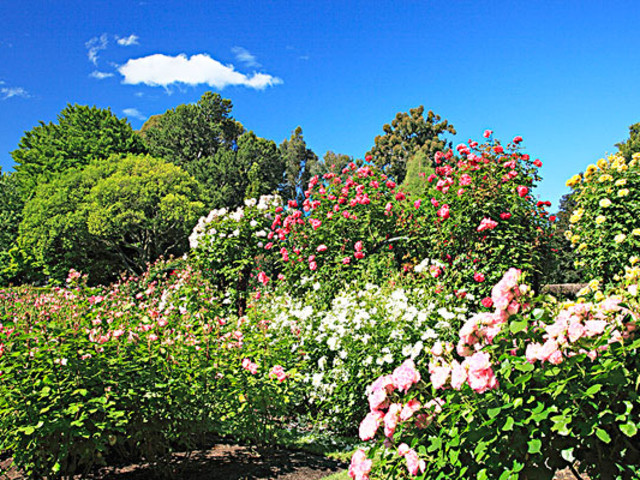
x=534 y=445
x=517 y=326
x=593 y=389
x=629 y=429
x=508 y=425
x=493 y=412
x=603 y=435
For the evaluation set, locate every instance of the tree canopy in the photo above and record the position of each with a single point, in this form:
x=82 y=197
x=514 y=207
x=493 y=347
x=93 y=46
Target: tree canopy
x=632 y=144
x=81 y=135
x=408 y=134
x=300 y=164
x=113 y=215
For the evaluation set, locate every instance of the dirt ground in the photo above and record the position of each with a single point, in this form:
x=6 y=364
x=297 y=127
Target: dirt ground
x=230 y=462
x=222 y=462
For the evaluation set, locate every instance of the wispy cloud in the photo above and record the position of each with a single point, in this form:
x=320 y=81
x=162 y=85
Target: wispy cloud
x=100 y=75
x=95 y=45
x=245 y=57
x=134 y=113
x=127 y=41
x=164 y=70
x=8 y=92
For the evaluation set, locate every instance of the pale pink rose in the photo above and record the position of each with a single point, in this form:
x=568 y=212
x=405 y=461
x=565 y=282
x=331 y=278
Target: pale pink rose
x=439 y=376
x=437 y=350
x=576 y=331
x=548 y=348
x=383 y=382
x=391 y=419
x=513 y=308
x=413 y=462
x=378 y=399
x=360 y=466
x=321 y=248
x=555 y=358
x=369 y=425
x=346 y=261
x=411 y=407
x=478 y=361
x=403 y=448
x=405 y=375
x=482 y=380
x=557 y=328
x=533 y=352
x=595 y=327
x=458 y=375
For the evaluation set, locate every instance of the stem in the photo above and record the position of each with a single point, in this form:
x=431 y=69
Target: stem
x=574 y=471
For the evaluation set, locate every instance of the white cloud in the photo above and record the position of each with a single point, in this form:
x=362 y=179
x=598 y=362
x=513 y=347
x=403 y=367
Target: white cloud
x=94 y=46
x=8 y=92
x=163 y=70
x=100 y=75
x=134 y=113
x=127 y=41
x=245 y=57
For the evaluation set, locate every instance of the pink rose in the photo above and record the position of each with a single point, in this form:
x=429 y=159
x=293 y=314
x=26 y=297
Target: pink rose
x=487 y=224
x=487 y=133
x=391 y=419
x=405 y=375
x=522 y=190
x=360 y=466
x=369 y=425
x=478 y=277
x=409 y=409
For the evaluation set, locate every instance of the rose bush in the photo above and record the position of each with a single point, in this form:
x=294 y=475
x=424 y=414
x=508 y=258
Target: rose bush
x=528 y=389
x=604 y=225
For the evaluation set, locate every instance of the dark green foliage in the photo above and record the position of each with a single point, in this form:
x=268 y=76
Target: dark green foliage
x=632 y=144
x=206 y=141
x=10 y=216
x=407 y=135
x=81 y=135
x=113 y=215
x=560 y=268
x=300 y=164
x=336 y=162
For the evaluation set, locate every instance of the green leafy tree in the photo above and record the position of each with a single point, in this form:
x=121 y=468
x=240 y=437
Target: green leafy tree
x=10 y=215
x=408 y=134
x=300 y=164
x=113 y=215
x=336 y=162
x=561 y=268
x=206 y=141
x=191 y=133
x=632 y=144
x=81 y=135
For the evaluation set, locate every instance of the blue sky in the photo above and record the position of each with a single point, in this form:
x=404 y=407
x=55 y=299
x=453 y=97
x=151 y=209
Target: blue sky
x=563 y=74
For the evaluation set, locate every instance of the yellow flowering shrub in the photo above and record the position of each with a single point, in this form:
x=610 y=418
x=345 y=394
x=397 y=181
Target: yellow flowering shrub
x=605 y=225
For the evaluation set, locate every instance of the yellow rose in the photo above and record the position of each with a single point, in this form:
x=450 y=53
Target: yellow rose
x=591 y=169
x=605 y=178
x=633 y=260
x=568 y=234
x=575 y=239
x=636 y=232
x=621 y=183
x=574 y=180
x=620 y=238
x=623 y=193
x=594 y=284
x=582 y=246
x=599 y=296
x=600 y=219
x=605 y=202
x=602 y=164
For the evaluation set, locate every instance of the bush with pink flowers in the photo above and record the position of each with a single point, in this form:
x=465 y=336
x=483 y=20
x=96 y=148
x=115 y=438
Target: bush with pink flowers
x=528 y=389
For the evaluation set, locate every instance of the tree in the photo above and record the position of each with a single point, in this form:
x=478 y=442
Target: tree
x=407 y=135
x=190 y=133
x=300 y=164
x=81 y=135
x=113 y=215
x=207 y=142
x=632 y=144
x=10 y=215
x=336 y=162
